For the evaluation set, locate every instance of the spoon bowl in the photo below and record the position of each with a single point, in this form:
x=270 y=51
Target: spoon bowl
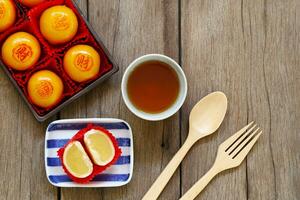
x=208 y=114
x=205 y=118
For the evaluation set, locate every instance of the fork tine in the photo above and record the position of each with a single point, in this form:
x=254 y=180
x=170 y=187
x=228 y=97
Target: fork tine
x=241 y=139
x=244 y=150
x=230 y=141
x=250 y=135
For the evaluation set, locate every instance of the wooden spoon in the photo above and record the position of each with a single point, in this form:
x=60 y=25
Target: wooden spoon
x=205 y=118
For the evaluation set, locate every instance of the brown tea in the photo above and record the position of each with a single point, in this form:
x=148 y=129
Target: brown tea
x=153 y=86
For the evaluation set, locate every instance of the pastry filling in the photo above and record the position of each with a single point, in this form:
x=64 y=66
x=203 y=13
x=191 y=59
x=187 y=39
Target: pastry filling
x=99 y=146
x=77 y=161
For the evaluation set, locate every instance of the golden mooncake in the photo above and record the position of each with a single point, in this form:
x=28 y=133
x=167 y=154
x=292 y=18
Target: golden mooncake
x=21 y=51
x=82 y=63
x=45 y=88
x=58 y=24
x=7 y=14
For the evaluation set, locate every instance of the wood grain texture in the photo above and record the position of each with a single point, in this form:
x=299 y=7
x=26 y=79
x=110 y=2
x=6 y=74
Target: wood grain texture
x=249 y=50
x=273 y=97
x=22 y=171
x=212 y=54
x=130 y=29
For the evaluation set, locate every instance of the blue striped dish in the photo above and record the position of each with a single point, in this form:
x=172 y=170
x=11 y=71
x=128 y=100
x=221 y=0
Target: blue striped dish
x=58 y=134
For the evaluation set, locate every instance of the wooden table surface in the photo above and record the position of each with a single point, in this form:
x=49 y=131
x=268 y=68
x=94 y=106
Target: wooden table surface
x=249 y=49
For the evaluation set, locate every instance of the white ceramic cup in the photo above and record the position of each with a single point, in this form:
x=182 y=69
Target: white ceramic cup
x=182 y=90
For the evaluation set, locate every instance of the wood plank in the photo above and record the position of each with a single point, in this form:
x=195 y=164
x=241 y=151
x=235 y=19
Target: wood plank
x=273 y=43
x=213 y=59
x=22 y=151
x=22 y=171
x=250 y=50
x=260 y=172
x=130 y=29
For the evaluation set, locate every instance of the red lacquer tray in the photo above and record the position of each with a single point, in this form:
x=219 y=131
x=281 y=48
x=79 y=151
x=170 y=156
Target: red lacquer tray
x=52 y=56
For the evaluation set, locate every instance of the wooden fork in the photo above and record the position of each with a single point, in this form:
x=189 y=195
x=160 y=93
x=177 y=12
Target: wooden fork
x=231 y=154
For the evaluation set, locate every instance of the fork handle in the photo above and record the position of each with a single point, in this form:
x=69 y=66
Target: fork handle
x=193 y=192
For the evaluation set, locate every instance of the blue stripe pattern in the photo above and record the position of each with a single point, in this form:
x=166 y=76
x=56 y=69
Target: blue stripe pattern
x=122 y=142
x=78 y=126
x=55 y=162
x=100 y=177
x=57 y=142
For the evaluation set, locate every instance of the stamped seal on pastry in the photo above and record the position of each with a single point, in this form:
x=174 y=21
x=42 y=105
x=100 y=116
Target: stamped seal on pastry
x=44 y=89
x=22 y=52
x=83 y=62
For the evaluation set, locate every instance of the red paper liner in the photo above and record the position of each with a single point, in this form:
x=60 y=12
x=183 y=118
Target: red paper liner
x=23 y=27
x=96 y=168
x=52 y=55
x=20 y=17
x=34 y=16
x=105 y=65
x=50 y=65
x=66 y=78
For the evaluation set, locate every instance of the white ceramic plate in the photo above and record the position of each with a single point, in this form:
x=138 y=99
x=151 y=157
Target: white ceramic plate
x=59 y=132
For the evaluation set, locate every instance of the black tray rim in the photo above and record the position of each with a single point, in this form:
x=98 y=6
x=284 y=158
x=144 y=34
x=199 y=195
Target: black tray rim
x=115 y=68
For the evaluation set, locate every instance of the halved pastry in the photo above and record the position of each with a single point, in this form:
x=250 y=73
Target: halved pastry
x=76 y=160
x=88 y=153
x=100 y=147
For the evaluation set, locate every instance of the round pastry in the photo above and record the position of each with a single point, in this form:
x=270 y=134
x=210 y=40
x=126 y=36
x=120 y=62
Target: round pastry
x=7 y=14
x=99 y=146
x=31 y=3
x=45 y=88
x=58 y=24
x=21 y=51
x=76 y=160
x=82 y=63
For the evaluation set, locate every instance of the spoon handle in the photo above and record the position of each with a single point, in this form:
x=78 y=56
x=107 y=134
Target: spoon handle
x=193 y=192
x=160 y=183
